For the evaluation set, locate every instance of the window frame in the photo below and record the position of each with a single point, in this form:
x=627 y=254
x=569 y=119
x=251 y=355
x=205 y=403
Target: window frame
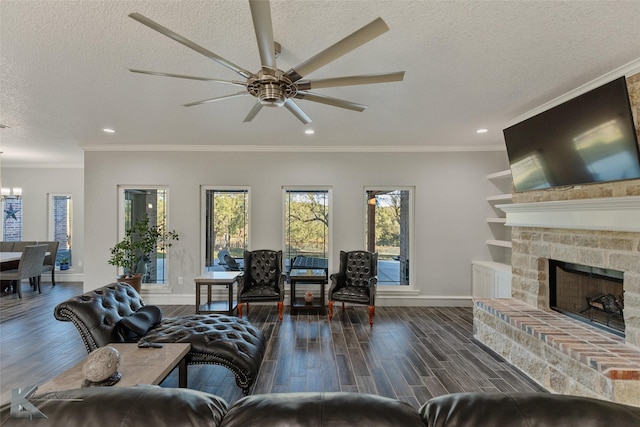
x=121 y=227
x=203 y=217
x=410 y=222
x=308 y=188
x=51 y=222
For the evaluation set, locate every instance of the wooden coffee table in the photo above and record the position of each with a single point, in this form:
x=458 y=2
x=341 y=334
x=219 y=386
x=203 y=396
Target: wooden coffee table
x=137 y=366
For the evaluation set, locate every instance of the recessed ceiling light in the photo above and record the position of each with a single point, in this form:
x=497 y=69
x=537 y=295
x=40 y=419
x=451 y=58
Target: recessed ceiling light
x=309 y=131
x=482 y=130
x=107 y=130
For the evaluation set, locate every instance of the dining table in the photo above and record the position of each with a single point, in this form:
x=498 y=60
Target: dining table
x=10 y=256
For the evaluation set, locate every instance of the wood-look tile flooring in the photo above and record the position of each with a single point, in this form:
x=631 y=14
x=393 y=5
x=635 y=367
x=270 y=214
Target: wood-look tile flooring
x=411 y=353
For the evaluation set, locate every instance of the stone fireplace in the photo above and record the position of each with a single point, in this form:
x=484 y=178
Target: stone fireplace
x=592 y=225
x=561 y=353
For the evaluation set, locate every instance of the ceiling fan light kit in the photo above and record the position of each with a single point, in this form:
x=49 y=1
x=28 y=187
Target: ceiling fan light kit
x=273 y=87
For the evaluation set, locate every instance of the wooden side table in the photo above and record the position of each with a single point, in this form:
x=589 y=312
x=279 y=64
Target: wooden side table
x=137 y=366
x=216 y=278
x=307 y=276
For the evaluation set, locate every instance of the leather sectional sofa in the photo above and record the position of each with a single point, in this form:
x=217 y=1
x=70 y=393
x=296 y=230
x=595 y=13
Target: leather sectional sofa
x=156 y=406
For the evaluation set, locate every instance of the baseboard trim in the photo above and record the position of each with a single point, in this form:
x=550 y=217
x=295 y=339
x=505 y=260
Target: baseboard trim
x=381 y=301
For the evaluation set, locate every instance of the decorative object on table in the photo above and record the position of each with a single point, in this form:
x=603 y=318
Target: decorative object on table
x=137 y=245
x=308 y=297
x=101 y=367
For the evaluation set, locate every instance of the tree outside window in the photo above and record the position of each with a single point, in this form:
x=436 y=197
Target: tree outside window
x=388 y=231
x=227 y=226
x=307 y=225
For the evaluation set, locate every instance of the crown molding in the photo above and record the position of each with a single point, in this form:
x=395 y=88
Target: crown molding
x=626 y=70
x=296 y=148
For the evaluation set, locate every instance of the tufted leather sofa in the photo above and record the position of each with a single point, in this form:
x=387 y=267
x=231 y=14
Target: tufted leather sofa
x=356 y=282
x=262 y=279
x=158 y=407
x=215 y=339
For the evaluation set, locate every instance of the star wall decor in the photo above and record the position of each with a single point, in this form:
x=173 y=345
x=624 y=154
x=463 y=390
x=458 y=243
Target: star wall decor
x=11 y=212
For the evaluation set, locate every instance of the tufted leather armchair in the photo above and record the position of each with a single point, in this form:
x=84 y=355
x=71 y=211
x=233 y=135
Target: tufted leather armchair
x=356 y=282
x=262 y=279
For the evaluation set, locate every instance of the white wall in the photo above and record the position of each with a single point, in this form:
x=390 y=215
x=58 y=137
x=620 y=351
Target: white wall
x=36 y=185
x=450 y=207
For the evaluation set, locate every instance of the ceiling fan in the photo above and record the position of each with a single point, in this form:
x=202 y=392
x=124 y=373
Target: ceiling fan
x=273 y=87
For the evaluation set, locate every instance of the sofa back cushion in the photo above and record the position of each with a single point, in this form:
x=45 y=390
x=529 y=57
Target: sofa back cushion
x=333 y=409
x=526 y=410
x=125 y=406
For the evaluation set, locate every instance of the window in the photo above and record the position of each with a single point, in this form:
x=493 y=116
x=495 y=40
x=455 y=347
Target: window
x=306 y=227
x=226 y=227
x=388 y=231
x=12 y=219
x=60 y=230
x=137 y=202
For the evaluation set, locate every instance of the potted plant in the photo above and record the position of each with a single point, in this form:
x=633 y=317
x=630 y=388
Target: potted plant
x=64 y=263
x=139 y=242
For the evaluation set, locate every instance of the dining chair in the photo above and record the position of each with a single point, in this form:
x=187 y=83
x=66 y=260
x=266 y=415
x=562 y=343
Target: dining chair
x=50 y=259
x=30 y=266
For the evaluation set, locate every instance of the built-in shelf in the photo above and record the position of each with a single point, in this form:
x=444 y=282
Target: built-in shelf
x=501 y=243
x=499 y=197
x=497 y=220
x=500 y=175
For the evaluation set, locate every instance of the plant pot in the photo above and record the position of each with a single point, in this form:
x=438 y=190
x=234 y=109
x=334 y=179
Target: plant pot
x=64 y=266
x=135 y=281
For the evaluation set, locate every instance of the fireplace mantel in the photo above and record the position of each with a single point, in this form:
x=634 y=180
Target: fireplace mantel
x=608 y=214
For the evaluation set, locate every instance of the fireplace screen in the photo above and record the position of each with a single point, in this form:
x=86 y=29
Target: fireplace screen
x=591 y=294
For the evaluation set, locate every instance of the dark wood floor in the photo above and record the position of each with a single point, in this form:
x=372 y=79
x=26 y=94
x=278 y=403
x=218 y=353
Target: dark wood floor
x=411 y=353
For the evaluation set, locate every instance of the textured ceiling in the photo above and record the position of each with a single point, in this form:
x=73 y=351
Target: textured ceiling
x=469 y=64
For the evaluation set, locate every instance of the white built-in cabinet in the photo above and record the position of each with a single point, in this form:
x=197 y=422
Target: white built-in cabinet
x=492 y=278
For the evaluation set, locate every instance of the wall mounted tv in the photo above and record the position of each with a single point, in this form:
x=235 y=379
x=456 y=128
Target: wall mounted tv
x=588 y=139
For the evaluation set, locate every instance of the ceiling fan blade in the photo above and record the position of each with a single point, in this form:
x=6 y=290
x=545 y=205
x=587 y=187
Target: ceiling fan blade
x=254 y=112
x=350 y=80
x=188 y=43
x=181 y=76
x=261 y=14
x=335 y=102
x=344 y=46
x=297 y=111
x=220 y=98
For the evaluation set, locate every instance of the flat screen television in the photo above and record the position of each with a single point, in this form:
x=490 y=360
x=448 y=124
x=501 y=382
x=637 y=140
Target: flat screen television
x=588 y=139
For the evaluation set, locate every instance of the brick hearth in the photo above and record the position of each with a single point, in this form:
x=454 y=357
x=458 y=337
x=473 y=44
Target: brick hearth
x=562 y=354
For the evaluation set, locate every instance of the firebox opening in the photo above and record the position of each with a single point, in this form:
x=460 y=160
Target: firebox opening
x=591 y=294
